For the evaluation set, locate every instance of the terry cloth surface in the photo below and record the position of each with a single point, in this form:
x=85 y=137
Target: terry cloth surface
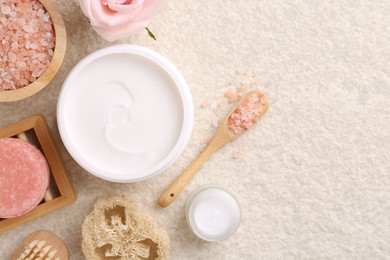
x=314 y=175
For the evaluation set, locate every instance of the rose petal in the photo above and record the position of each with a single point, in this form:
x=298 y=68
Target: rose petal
x=150 y=8
x=113 y=34
x=134 y=5
x=106 y=2
x=103 y=16
x=111 y=18
x=86 y=8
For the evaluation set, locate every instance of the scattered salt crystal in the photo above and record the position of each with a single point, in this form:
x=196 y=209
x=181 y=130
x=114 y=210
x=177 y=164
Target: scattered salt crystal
x=241 y=88
x=223 y=104
x=204 y=104
x=21 y=21
x=214 y=104
x=28 y=28
x=36 y=74
x=214 y=122
x=231 y=95
x=35 y=56
x=237 y=153
x=43 y=42
x=33 y=46
x=11 y=56
x=21 y=64
x=47 y=27
x=23 y=82
x=46 y=17
x=5 y=9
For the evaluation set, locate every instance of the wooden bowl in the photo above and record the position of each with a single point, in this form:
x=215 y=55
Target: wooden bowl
x=55 y=64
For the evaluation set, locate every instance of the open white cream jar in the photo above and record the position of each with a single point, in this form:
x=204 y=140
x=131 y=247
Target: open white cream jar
x=125 y=113
x=213 y=213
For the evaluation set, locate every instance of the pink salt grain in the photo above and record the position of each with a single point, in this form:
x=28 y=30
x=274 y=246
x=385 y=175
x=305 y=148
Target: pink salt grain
x=27 y=32
x=247 y=113
x=237 y=153
x=223 y=104
x=231 y=95
x=204 y=104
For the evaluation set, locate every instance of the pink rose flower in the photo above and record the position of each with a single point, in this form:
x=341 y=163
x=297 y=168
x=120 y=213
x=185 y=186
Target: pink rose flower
x=114 y=19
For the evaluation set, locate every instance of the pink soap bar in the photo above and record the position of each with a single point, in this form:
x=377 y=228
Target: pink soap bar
x=24 y=177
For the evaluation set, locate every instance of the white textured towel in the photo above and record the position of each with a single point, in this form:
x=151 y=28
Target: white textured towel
x=313 y=175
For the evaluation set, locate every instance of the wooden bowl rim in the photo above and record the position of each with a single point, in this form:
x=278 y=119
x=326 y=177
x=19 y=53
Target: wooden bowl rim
x=55 y=63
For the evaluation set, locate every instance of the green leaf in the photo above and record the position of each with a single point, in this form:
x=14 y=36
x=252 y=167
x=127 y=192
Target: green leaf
x=150 y=34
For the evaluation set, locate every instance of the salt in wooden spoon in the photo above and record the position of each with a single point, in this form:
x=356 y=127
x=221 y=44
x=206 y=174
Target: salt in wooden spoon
x=237 y=121
x=41 y=245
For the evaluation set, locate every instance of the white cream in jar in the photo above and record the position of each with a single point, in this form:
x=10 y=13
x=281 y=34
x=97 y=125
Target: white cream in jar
x=213 y=213
x=125 y=113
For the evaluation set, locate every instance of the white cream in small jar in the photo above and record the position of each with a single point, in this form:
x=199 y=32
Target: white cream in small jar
x=125 y=113
x=213 y=213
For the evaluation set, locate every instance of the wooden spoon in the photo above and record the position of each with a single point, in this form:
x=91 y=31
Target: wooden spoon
x=222 y=136
x=42 y=245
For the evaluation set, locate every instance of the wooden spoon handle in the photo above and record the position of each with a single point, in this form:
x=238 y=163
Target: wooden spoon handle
x=181 y=181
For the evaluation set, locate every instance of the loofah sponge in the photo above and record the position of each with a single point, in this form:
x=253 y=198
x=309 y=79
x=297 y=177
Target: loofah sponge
x=115 y=229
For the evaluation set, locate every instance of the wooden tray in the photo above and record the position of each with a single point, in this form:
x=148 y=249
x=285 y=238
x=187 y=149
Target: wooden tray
x=60 y=192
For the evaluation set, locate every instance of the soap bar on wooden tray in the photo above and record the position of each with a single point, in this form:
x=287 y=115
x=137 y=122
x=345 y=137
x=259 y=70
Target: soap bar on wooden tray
x=58 y=191
x=24 y=177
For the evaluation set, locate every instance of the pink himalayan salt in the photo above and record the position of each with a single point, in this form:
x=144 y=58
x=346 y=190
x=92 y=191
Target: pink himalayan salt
x=231 y=95
x=238 y=153
x=223 y=104
x=247 y=113
x=204 y=104
x=27 y=42
x=239 y=87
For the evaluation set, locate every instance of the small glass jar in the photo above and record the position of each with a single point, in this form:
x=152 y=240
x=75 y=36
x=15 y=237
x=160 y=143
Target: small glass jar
x=213 y=213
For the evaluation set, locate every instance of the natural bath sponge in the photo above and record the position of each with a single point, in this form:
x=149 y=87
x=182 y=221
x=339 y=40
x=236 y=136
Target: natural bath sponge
x=116 y=229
